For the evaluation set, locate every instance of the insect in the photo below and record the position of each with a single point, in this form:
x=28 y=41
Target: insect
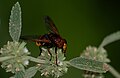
x=49 y=40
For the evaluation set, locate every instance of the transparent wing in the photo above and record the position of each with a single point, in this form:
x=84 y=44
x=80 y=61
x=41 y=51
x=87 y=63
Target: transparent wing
x=50 y=25
x=34 y=38
x=29 y=37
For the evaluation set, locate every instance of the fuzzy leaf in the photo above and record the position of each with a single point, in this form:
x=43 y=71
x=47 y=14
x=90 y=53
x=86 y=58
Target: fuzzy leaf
x=30 y=72
x=110 y=38
x=19 y=74
x=15 y=22
x=88 y=64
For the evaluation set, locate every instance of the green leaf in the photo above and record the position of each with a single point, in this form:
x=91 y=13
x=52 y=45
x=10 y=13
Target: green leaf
x=30 y=72
x=110 y=38
x=19 y=74
x=15 y=22
x=88 y=64
x=22 y=45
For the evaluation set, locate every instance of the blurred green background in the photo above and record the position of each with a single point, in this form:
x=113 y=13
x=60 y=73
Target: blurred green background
x=80 y=22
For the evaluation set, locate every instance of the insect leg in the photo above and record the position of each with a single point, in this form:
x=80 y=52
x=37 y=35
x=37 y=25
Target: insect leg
x=56 y=56
x=64 y=49
x=64 y=52
x=50 y=54
x=40 y=50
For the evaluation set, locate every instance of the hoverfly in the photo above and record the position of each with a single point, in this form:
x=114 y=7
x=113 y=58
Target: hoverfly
x=49 y=40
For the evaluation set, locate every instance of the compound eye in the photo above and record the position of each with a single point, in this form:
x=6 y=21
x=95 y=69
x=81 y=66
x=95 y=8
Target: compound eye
x=38 y=43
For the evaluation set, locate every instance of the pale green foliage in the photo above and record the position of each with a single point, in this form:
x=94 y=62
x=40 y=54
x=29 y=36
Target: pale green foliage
x=15 y=22
x=30 y=72
x=93 y=75
x=14 y=55
x=95 y=54
x=18 y=52
x=19 y=74
x=110 y=38
x=92 y=59
x=88 y=64
x=50 y=67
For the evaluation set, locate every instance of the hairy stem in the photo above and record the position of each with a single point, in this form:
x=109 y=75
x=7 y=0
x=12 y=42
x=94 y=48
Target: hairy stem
x=5 y=58
x=114 y=72
x=35 y=59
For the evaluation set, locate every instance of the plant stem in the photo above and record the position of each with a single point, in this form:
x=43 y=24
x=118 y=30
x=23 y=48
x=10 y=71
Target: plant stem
x=114 y=72
x=35 y=59
x=5 y=58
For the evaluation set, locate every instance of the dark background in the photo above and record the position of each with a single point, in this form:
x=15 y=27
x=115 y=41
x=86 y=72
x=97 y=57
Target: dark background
x=81 y=22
